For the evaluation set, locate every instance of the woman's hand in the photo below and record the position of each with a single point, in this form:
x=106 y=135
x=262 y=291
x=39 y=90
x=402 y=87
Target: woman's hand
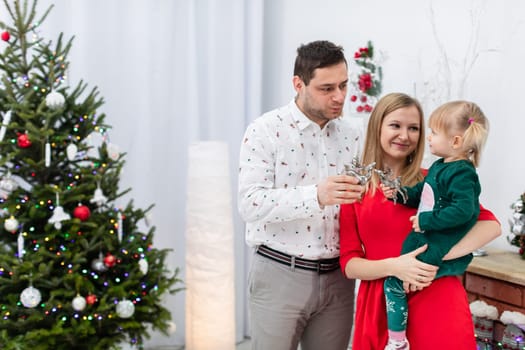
x=415 y=274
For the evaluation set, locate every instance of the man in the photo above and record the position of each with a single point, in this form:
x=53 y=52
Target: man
x=289 y=196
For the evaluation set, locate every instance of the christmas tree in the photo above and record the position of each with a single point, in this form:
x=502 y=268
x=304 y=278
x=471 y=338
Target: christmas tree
x=76 y=270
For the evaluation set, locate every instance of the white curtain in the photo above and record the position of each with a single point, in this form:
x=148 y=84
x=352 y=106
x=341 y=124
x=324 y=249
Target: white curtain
x=171 y=72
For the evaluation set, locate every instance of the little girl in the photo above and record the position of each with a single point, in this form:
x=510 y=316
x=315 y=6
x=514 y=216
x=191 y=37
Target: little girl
x=447 y=201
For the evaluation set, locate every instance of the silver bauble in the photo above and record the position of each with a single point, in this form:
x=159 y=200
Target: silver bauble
x=125 y=309
x=55 y=100
x=79 y=303
x=30 y=297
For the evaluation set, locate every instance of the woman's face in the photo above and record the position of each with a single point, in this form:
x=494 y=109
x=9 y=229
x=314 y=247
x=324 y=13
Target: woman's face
x=399 y=136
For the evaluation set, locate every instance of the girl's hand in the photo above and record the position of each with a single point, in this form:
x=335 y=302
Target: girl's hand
x=415 y=223
x=387 y=191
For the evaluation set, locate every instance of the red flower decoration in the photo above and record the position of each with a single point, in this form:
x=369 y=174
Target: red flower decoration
x=367 y=86
x=6 y=36
x=363 y=51
x=365 y=82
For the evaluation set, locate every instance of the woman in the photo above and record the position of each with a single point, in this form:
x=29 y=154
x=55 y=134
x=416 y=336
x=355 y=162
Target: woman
x=372 y=233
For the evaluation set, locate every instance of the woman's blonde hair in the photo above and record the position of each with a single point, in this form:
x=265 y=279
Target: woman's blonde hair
x=465 y=119
x=373 y=152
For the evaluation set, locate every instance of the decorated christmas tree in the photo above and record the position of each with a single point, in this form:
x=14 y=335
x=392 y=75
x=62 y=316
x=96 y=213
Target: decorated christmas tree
x=77 y=271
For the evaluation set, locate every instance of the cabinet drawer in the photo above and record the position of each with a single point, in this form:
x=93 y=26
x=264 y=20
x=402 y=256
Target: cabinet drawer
x=495 y=289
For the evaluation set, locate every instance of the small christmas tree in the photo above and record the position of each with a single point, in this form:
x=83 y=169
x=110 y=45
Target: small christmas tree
x=76 y=271
x=517 y=225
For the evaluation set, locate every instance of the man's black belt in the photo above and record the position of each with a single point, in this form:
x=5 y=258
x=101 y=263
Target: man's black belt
x=320 y=266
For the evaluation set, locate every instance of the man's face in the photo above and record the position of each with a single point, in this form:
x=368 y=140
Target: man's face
x=323 y=98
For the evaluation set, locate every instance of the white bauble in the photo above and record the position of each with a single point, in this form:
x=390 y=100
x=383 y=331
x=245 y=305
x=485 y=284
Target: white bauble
x=71 y=151
x=79 y=303
x=8 y=184
x=55 y=100
x=113 y=151
x=11 y=224
x=30 y=297
x=143 y=266
x=98 y=265
x=20 y=81
x=172 y=327
x=125 y=309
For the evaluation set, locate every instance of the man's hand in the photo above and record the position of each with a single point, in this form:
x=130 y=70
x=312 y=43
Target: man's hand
x=339 y=189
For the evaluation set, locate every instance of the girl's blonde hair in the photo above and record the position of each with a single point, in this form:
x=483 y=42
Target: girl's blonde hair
x=411 y=174
x=465 y=119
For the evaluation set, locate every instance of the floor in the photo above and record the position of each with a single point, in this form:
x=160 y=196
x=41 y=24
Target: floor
x=245 y=345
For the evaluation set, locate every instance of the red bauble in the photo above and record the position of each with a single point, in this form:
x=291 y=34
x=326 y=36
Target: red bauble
x=82 y=212
x=23 y=141
x=353 y=98
x=91 y=299
x=110 y=260
x=5 y=36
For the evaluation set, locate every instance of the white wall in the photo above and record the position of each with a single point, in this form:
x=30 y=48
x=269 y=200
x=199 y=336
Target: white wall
x=482 y=35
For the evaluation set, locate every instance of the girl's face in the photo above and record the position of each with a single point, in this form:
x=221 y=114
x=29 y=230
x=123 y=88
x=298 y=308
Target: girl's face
x=439 y=143
x=444 y=145
x=399 y=136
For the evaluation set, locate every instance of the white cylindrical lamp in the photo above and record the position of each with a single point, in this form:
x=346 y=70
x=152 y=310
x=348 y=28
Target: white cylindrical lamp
x=210 y=294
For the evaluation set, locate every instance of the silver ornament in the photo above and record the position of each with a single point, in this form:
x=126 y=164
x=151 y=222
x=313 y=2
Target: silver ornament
x=30 y=297
x=98 y=197
x=71 y=151
x=125 y=309
x=143 y=266
x=113 y=151
x=517 y=206
x=55 y=100
x=20 y=81
x=11 y=224
x=98 y=264
x=79 y=303
x=6 y=119
x=387 y=178
x=172 y=327
x=7 y=185
x=363 y=173
x=58 y=216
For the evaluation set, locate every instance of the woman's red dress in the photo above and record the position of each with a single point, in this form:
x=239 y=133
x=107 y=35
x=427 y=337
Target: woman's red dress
x=439 y=315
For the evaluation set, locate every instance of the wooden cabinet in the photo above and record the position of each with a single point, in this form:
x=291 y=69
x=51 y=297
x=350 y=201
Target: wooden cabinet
x=498 y=279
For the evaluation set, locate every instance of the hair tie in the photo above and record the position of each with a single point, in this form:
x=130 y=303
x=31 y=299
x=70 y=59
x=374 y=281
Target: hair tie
x=470 y=121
